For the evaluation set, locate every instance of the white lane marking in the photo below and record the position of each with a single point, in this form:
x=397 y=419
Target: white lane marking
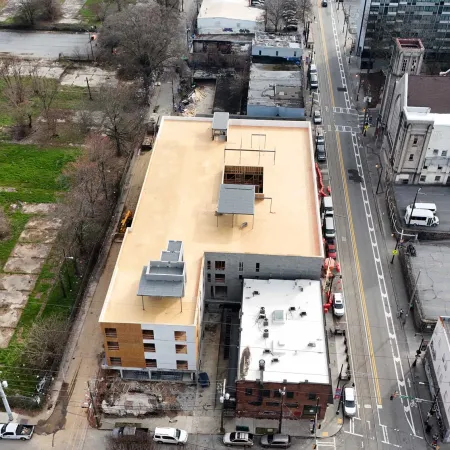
x=398 y=367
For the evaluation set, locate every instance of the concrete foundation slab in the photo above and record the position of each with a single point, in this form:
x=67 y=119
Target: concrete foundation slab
x=5 y=336
x=9 y=317
x=43 y=224
x=36 y=235
x=22 y=250
x=38 y=208
x=11 y=282
x=24 y=265
x=13 y=299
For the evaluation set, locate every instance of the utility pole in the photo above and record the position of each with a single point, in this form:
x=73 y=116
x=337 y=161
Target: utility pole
x=316 y=416
x=379 y=177
x=399 y=240
x=283 y=394
x=4 y=384
x=413 y=205
x=89 y=89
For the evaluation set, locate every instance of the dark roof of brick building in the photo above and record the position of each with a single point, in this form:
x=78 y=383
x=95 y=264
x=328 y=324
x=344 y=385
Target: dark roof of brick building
x=430 y=91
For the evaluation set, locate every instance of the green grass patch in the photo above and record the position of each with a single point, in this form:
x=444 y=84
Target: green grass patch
x=17 y=221
x=71 y=97
x=33 y=170
x=88 y=12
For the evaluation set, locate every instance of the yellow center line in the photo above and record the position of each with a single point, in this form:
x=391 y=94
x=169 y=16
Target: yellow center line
x=350 y=218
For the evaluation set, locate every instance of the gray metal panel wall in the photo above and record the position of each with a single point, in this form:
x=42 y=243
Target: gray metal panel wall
x=270 y=266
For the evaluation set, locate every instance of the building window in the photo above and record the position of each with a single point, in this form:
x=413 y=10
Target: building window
x=181 y=349
x=435 y=151
x=220 y=292
x=289 y=395
x=110 y=332
x=405 y=181
x=241 y=277
x=265 y=393
x=260 y=53
x=425 y=166
x=445 y=366
x=112 y=345
x=241 y=267
x=208 y=278
x=411 y=157
x=180 y=335
x=438 y=178
x=276 y=53
x=292 y=405
x=115 y=361
x=148 y=334
x=312 y=396
x=272 y=403
x=257 y=267
x=220 y=265
x=404 y=63
x=219 y=278
x=295 y=53
x=444 y=153
x=276 y=393
x=150 y=363
x=208 y=265
x=439 y=167
x=440 y=378
x=415 y=140
x=248 y=391
x=182 y=365
x=149 y=348
x=423 y=177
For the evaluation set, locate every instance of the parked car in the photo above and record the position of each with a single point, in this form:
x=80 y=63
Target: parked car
x=16 y=431
x=276 y=440
x=170 y=436
x=120 y=432
x=320 y=137
x=321 y=155
x=324 y=3
x=317 y=118
x=338 y=305
x=203 y=379
x=331 y=249
x=349 y=402
x=238 y=438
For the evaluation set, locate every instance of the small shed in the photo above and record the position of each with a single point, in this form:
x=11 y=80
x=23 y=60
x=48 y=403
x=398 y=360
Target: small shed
x=220 y=124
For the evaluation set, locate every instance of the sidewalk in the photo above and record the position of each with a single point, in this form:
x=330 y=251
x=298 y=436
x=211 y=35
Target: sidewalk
x=418 y=386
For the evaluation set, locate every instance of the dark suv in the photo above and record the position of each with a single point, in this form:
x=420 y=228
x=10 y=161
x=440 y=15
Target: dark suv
x=321 y=155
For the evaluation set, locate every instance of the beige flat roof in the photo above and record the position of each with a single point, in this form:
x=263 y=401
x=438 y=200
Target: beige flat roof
x=179 y=199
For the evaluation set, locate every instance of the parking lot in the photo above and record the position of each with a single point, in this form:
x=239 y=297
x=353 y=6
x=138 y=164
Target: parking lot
x=440 y=195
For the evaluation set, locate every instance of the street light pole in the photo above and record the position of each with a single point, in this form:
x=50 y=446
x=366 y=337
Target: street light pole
x=4 y=384
x=413 y=206
x=399 y=240
x=223 y=398
x=282 y=393
x=379 y=177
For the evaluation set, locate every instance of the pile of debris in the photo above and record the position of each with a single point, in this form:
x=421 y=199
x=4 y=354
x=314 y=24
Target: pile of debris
x=188 y=106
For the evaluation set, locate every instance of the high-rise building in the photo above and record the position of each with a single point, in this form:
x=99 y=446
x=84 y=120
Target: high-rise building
x=381 y=21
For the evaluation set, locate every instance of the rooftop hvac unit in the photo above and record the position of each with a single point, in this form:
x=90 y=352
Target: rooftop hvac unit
x=312 y=344
x=266 y=350
x=266 y=333
x=292 y=308
x=262 y=310
x=302 y=313
x=257 y=293
x=274 y=360
x=301 y=288
x=262 y=364
x=266 y=322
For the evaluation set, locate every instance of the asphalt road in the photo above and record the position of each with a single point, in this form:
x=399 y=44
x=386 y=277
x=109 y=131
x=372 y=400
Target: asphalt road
x=379 y=363
x=43 y=44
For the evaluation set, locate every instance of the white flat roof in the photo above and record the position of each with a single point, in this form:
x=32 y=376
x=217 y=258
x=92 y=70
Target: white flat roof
x=230 y=9
x=422 y=113
x=296 y=338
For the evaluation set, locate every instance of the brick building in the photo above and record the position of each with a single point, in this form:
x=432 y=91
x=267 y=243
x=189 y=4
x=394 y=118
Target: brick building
x=282 y=346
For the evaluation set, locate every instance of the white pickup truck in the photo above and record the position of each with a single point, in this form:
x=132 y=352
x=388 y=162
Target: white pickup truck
x=16 y=431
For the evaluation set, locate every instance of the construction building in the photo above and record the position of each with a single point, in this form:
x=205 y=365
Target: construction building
x=283 y=358
x=223 y=200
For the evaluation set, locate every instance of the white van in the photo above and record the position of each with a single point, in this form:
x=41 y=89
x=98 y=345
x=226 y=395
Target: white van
x=430 y=206
x=170 y=436
x=327 y=207
x=328 y=228
x=312 y=69
x=422 y=217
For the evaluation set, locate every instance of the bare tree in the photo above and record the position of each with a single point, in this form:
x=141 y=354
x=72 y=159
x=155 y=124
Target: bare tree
x=274 y=13
x=170 y=4
x=102 y=10
x=45 y=90
x=45 y=341
x=141 y=39
x=304 y=10
x=16 y=90
x=28 y=11
x=123 y=118
x=49 y=10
